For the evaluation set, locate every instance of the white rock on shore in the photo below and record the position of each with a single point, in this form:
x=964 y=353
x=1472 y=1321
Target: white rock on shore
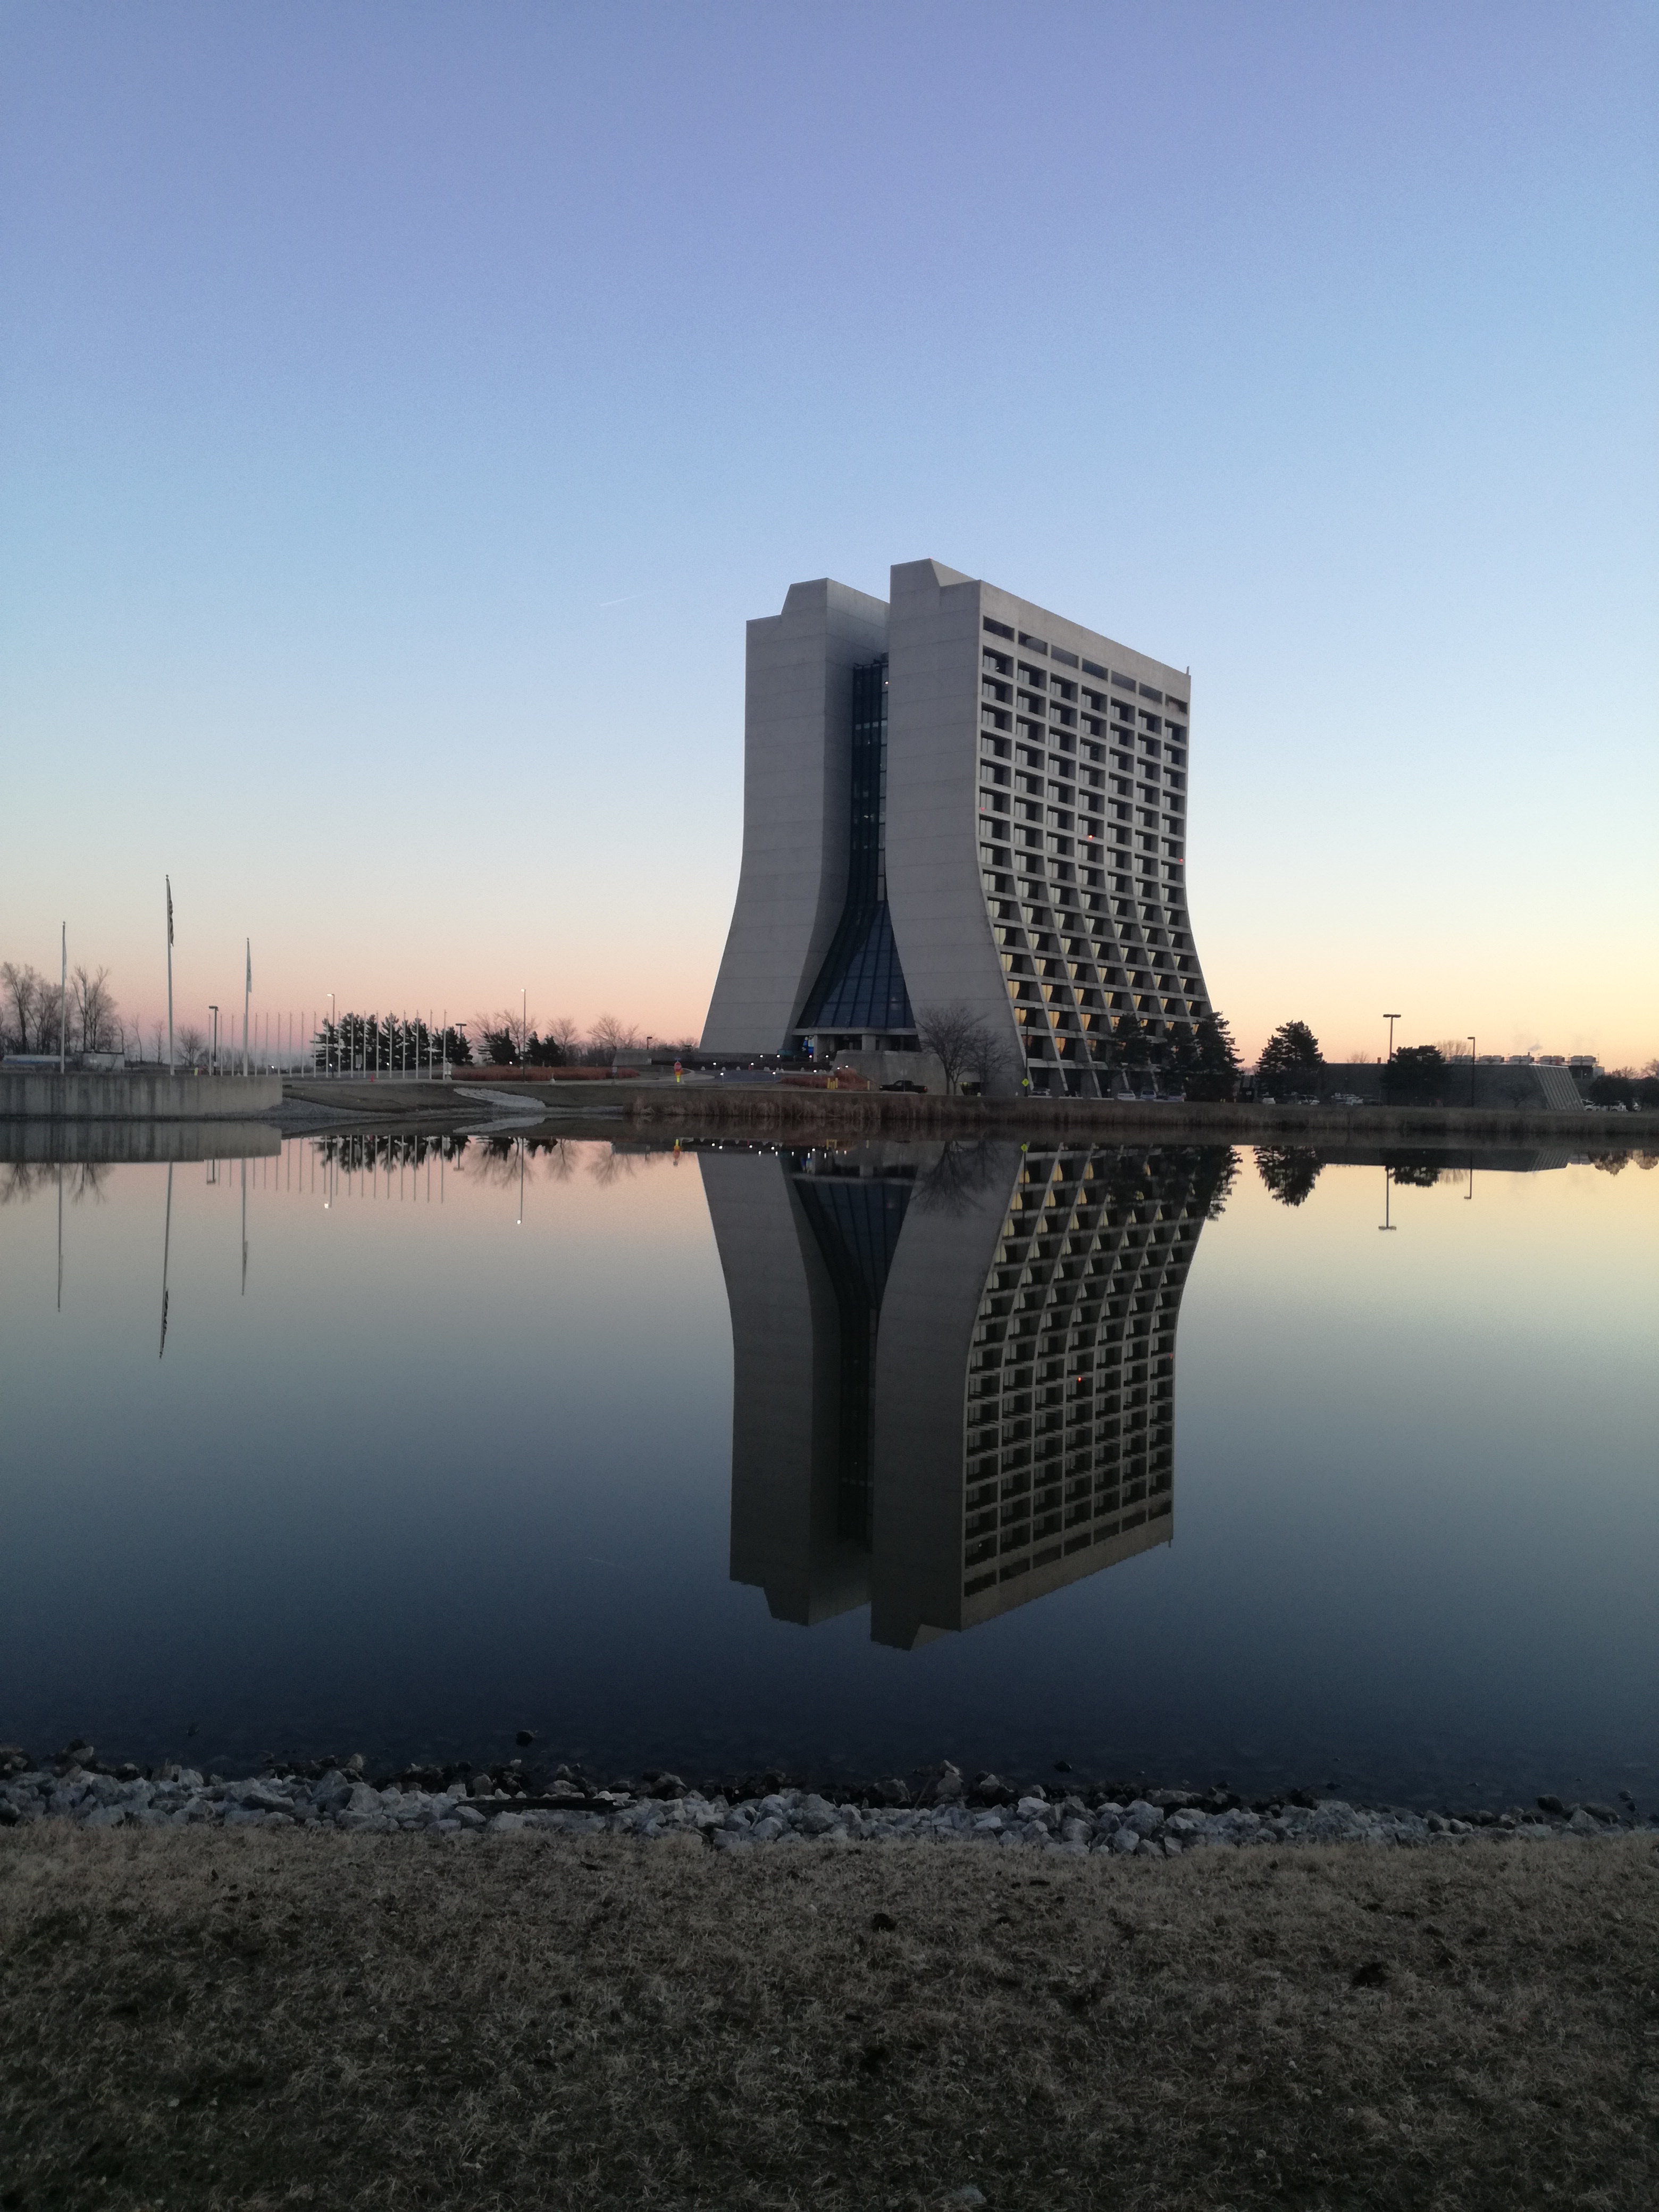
x=338 y=1799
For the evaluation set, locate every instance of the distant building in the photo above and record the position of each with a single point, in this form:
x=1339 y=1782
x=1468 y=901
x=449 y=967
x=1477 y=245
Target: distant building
x=953 y=796
x=953 y=1389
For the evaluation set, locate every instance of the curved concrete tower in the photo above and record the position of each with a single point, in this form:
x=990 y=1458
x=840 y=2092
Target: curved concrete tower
x=956 y=797
x=953 y=1369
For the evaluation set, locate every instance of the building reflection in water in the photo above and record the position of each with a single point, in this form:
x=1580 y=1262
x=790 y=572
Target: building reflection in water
x=954 y=1371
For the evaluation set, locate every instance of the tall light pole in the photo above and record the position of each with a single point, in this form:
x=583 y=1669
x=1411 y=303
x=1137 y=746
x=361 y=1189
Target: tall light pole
x=247 y=992
x=213 y=1040
x=63 y=1007
x=1471 y=1071
x=331 y=1045
x=1391 y=1019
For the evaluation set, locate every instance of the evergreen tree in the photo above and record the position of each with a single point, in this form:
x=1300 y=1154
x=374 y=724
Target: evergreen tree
x=1292 y=1060
x=1214 y=1072
x=1416 y=1076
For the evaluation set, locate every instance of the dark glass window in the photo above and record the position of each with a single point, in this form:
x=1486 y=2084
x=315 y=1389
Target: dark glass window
x=856 y=1224
x=861 y=985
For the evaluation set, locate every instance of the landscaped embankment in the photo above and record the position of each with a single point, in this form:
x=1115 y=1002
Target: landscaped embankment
x=772 y=1112
x=777 y=1109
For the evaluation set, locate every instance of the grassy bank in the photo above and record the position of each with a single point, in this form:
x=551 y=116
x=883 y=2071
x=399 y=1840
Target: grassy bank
x=738 y=1110
x=257 y=2019
x=775 y=1110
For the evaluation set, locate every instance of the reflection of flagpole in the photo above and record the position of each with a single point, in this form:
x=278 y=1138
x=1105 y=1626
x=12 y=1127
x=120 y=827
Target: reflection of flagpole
x=166 y=1247
x=60 y=1236
x=245 y=1228
x=169 y=884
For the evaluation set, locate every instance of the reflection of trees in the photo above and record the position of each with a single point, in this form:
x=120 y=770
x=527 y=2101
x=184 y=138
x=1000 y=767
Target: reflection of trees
x=25 y=1179
x=1289 y=1171
x=1216 y=1182
x=369 y=1151
x=1413 y=1170
x=494 y=1161
x=959 y=1174
x=499 y=1161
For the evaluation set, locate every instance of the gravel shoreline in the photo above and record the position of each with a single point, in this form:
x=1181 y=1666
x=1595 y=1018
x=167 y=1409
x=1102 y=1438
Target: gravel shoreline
x=943 y=1807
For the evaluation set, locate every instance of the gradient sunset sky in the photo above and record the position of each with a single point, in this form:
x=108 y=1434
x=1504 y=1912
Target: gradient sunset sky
x=403 y=407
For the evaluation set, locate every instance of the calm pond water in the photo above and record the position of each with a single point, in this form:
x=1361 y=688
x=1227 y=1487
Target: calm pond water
x=737 y=1458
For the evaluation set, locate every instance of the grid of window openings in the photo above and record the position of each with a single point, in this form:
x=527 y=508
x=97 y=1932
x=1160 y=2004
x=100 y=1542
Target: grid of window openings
x=1082 y=834
x=1071 y=1377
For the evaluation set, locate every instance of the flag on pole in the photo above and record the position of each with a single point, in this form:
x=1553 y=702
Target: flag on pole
x=169 y=884
x=249 y=943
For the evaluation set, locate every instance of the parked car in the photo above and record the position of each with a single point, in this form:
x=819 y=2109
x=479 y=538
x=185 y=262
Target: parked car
x=904 y=1084
x=1345 y=1098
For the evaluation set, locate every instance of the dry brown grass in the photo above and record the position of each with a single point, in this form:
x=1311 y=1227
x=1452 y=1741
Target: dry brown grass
x=193 y=2017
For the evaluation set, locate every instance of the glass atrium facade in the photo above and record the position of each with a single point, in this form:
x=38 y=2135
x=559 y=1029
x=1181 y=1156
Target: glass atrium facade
x=860 y=988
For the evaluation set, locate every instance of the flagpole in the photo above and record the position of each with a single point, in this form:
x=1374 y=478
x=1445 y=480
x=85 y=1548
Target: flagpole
x=166 y=1247
x=247 y=988
x=62 y=1008
x=170 y=1065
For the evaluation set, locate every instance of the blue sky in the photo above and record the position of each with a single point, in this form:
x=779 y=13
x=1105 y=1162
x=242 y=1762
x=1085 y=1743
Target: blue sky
x=403 y=408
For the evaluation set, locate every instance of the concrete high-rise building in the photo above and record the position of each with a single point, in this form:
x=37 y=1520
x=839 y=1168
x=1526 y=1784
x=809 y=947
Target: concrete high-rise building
x=953 y=1370
x=953 y=797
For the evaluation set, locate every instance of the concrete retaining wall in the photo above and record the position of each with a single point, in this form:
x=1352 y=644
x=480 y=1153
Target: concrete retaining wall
x=70 y=1142
x=134 y=1094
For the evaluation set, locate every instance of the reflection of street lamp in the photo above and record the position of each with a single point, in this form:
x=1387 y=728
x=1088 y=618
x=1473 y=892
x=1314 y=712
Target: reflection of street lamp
x=1391 y=1019
x=1385 y=1223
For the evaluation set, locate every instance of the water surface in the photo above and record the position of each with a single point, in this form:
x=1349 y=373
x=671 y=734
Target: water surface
x=1093 y=1456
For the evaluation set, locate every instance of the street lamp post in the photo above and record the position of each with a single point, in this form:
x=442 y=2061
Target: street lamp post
x=1471 y=1071
x=330 y=1044
x=1391 y=1019
x=213 y=1041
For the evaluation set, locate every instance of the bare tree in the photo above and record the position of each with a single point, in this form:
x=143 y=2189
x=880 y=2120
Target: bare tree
x=959 y=1174
x=504 y=1037
x=92 y=1006
x=953 y=1033
x=189 y=1044
x=24 y=990
x=565 y=1032
x=612 y=1036
x=988 y=1056
x=51 y=1029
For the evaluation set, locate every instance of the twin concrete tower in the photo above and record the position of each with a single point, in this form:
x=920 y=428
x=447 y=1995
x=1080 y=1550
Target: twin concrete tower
x=955 y=799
